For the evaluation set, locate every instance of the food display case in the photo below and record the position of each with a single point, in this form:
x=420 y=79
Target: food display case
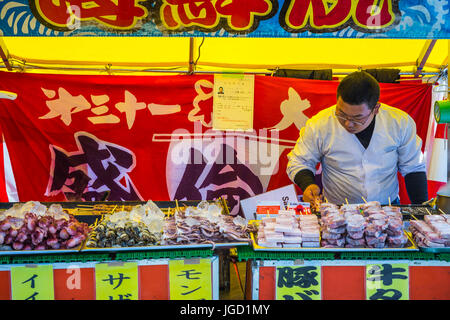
x=161 y=270
x=152 y=270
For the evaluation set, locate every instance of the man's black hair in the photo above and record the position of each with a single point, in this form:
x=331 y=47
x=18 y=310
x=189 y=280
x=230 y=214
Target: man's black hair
x=359 y=87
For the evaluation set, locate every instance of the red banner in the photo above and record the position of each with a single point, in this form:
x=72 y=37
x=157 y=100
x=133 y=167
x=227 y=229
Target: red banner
x=150 y=137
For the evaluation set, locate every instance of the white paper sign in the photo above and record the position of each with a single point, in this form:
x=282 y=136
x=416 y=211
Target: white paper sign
x=233 y=102
x=283 y=195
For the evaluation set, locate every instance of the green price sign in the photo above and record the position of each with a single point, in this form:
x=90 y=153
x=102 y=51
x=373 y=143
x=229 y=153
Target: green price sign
x=116 y=281
x=387 y=281
x=298 y=283
x=190 y=279
x=32 y=282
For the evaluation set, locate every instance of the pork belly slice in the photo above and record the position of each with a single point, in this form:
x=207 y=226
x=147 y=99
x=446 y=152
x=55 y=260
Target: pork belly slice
x=292 y=245
x=292 y=239
x=311 y=244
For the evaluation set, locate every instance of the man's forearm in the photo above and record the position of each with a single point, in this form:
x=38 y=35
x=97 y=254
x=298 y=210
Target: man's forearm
x=417 y=187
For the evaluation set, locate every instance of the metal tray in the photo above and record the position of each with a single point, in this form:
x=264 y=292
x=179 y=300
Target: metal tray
x=435 y=250
x=35 y=252
x=411 y=247
x=168 y=247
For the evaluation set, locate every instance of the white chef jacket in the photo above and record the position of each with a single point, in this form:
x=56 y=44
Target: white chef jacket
x=349 y=171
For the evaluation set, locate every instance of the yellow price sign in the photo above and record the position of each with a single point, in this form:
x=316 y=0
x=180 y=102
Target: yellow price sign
x=32 y=282
x=387 y=281
x=116 y=281
x=298 y=283
x=190 y=279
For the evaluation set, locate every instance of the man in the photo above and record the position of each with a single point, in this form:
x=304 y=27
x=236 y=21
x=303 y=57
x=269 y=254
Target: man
x=361 y=145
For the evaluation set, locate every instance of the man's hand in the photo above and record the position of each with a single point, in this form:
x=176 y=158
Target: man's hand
x=312 y=194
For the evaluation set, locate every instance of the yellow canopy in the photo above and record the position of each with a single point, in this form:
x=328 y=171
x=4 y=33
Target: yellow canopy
x=106 y=54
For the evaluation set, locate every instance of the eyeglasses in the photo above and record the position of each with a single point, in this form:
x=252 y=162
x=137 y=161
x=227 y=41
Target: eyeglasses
x=360 y=122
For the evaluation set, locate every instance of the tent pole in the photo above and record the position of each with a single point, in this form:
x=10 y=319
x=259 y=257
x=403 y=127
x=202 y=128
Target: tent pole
x=4 y=54
x=191 y=55
x=423 y=57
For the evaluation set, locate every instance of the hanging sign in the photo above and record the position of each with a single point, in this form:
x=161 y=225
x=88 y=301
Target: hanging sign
x=190 y=279
x=387 y=281
x=298 y=283
x=225 y=18
x=233 y=102
x=32 y=282
x=116 y=281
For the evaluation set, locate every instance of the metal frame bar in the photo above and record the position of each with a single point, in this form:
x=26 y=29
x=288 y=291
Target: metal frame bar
x=4 y=54
x=423 y=56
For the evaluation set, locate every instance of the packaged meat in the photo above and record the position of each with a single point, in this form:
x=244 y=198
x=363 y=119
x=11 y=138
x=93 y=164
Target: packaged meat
x=310 y=244
x=283 y=228
x=374 y=240
x=395 y=224
x=377 y=245
x=377 y=216
x=335 y=221
x=391 y=233
x=291 y=245
x=441 y=228
x=292 y=239
x=356 y=222
x=349 y=245
x=355 y=242
x=371 y=205
x=294 y=232
x=355 y=235
x=437 y=217
x=397 y=241
x=269 y=244
x=328 y=235
x=274 y=237
x=339 y=230
x=334 y=242
x=373 y=231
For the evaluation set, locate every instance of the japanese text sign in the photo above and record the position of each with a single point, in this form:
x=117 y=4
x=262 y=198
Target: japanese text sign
x=116 y=281
x=223 y=18
x=33 y=282
x=298 y=283
x=233 y=102
x=86 y=137
x=387 y=281
x=190 y=279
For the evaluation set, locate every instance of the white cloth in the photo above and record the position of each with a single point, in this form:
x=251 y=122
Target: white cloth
x=349 y=171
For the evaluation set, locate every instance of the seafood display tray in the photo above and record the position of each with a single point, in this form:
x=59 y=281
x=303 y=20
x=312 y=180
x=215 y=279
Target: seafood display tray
x=411 y=247
x=169 y=247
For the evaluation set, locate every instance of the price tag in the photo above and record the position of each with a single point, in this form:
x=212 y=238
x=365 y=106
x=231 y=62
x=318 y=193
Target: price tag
x=298 y=283
x=32 y=282
x=190 y=279
x=387 y=281
x=116 y=281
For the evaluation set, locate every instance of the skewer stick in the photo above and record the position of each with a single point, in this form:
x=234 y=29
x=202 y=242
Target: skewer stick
x=364 y=200
x=346 y=201
x=428 y=211
x=114 y=209
x=176 y=203
x=326 y=200
x=389 y=199
x=442 y=211
x=414 y=217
